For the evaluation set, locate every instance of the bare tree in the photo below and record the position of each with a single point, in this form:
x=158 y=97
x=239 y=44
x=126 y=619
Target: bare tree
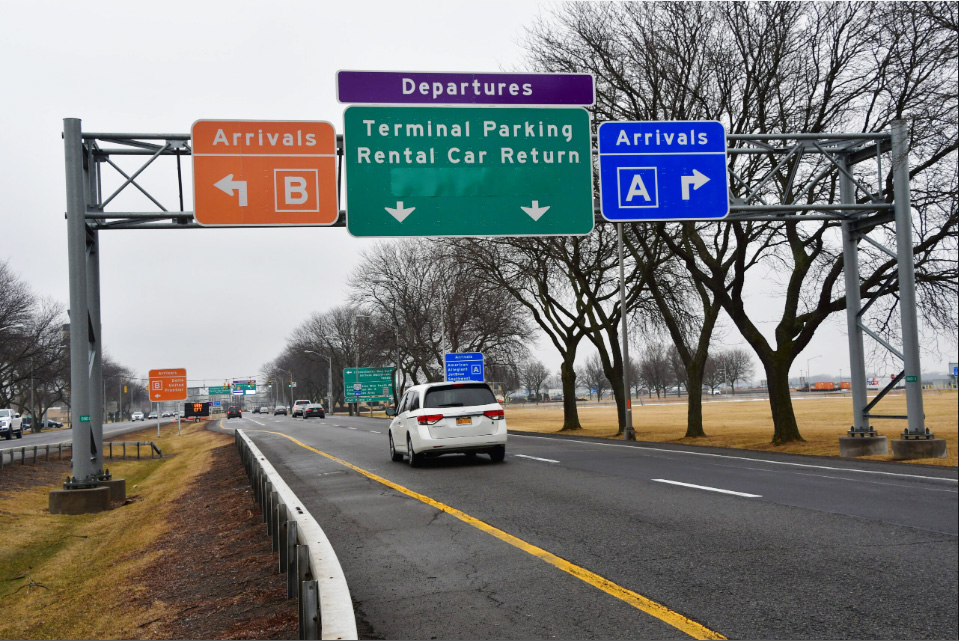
x=532 y=375
x=594 y=377
x=425 y=300
x=736 y=365
x=713 y=376
x=654 y=368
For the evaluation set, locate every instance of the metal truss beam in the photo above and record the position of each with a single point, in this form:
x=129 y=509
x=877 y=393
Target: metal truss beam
x=788 y=178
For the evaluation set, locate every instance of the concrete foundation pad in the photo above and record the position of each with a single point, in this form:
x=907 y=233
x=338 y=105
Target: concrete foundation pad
x=118 y=489
x=84 y=501
x=852 y=446
x=910 y=448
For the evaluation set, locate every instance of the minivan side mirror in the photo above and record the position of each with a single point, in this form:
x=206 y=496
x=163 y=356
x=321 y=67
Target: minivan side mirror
x=391 y=411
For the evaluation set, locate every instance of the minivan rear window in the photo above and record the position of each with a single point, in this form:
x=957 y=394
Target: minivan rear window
x=462 y=395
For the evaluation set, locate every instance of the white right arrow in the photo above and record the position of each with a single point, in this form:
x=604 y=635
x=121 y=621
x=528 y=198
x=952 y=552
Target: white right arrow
x=697 y=180
x=227 y=185
x=535 y=212
x=399 y=212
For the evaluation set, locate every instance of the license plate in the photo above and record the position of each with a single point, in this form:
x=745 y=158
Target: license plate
x=464 y=420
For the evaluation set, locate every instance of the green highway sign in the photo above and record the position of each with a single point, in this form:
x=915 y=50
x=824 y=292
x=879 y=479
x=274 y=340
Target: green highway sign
x=468 y=171
x=368 y=384
x=218 y=391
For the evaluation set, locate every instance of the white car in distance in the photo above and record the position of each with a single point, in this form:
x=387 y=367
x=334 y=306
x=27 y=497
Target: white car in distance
x=447 y=418
x=298 y=407
x=137 y=416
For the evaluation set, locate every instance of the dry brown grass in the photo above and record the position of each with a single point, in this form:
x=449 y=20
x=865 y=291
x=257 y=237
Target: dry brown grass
x=81 y=565
x=748 y=424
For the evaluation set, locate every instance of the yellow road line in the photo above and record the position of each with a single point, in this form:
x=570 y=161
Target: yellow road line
x=638 y=601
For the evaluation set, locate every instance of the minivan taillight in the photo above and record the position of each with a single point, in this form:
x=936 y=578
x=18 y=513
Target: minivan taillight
x=496 y=415
x=429 y=419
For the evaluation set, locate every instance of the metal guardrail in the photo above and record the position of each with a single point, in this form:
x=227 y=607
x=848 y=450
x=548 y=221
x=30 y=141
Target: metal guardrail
x=66 y=445
x=314 y=575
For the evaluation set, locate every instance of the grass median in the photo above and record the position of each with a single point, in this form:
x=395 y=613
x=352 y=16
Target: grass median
x=746 y=423
x=70 y=577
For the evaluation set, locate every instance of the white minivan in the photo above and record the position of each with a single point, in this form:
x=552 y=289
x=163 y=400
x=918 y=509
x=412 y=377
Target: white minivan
x=447 y=418
x=298 y=407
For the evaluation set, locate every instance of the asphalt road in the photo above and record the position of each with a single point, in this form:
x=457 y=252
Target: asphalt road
x=583 y=538
x=65 y=435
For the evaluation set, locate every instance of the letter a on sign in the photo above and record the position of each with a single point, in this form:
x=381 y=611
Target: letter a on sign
x=638 y=187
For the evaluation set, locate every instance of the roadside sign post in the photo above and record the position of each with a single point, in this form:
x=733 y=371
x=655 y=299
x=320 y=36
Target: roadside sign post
x=167 y=385
x=369 y=384
x=468 y=171
x=464 y=366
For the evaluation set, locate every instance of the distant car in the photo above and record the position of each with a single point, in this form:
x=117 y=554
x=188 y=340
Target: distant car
x=314 y=409
x=234 y=412
x=445 y=418
x=152 y=415
x=264 y=410
x=279 y=409
x=51 y=424
x=256 y=410
x=166 y=415
x=137 y=416
x=298 y=407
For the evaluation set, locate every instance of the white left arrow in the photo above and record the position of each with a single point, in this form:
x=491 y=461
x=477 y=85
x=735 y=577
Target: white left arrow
x=697 y=180
x=227 y=185
x=535 y=212
x=399 y=212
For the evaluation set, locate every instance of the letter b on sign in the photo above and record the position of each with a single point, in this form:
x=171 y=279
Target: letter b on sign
x=296 y=189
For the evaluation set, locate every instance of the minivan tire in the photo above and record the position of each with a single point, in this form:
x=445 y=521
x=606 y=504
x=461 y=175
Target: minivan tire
x=415 y=459
x=497 y=454
x=395 y=456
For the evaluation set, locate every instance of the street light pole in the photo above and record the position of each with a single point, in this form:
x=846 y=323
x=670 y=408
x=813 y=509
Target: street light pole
x=808 y=372
x=329 y=378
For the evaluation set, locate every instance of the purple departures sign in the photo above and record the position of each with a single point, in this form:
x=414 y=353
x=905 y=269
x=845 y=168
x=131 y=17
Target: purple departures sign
x=429 y=88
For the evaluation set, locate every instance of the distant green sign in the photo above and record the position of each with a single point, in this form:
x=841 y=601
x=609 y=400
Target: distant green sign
x=218 y=391
x=84 y=418
x=468 y=171
x=912 y=379
x=244 y=386
x=368 y=384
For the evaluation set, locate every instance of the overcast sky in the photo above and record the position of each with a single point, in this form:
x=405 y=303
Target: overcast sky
x=221 y=302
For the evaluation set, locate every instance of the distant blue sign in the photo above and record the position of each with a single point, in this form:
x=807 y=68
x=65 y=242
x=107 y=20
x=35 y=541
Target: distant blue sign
x=216 y=403
x=466 y=366
x=663 y=171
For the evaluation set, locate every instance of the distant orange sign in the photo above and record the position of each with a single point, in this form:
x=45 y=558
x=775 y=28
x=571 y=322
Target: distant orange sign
x=167 y=384
x=264 y=173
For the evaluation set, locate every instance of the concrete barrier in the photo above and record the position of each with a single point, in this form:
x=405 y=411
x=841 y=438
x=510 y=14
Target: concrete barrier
x=314 y=573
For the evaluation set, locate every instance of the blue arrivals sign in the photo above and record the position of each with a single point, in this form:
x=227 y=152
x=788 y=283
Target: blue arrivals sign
x=467 y=366
x=663 y=171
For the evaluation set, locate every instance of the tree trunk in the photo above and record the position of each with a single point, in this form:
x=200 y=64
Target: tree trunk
x=785 y=428
x=570 y=411
x=694 y=413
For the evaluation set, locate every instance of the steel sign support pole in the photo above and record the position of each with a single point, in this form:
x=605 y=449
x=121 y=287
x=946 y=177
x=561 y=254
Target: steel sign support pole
x=84 y=347
x=629 y=434
x=857 y=354
x=907 y=278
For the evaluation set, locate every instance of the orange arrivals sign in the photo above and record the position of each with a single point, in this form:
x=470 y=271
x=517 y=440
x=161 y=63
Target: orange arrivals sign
x=263 y=173
x=167 y=384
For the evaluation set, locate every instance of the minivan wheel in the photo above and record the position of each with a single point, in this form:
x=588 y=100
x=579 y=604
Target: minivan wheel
x=415 y=459
x=394 y=455
x=497 y=454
